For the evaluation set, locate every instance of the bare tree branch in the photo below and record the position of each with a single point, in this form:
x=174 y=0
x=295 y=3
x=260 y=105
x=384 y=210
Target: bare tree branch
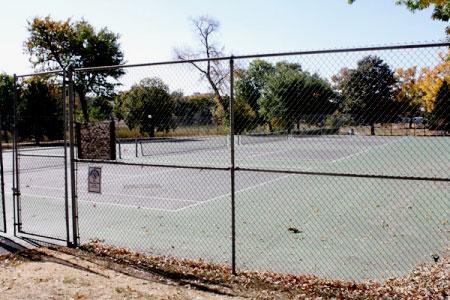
x=205 y=27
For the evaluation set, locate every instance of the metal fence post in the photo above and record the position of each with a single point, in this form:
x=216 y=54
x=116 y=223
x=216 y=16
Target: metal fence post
x=72 y=160
x=232 y=170
x=16 y=187
x=66 y=175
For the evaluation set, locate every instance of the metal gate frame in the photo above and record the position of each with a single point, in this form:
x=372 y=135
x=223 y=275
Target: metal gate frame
x=2 y=189
x=67 y=91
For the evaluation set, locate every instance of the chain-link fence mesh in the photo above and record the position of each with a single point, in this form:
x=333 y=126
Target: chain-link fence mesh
x=172 y=145
x=333 y=162
x=354 y=147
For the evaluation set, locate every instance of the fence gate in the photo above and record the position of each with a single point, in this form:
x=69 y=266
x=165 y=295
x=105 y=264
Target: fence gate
x=2 y=192
x=40 y=157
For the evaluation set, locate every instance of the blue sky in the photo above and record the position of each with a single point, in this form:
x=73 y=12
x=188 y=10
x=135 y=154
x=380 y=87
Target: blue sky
x=150 y=29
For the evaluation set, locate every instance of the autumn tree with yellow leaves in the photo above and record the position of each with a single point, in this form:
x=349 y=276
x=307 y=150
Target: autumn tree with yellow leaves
x=422 y=89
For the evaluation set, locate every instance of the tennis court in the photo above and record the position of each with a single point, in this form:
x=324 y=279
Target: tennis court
x=332 y=226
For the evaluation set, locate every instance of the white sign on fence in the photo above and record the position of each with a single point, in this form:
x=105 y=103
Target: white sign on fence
x=95 y=180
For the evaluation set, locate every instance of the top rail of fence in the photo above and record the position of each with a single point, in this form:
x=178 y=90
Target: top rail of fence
x=53 y=72
x=274 y=54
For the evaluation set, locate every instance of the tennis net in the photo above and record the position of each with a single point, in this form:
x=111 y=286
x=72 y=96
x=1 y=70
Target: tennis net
x=260 y=138
x=174 y=145
x=35 y=162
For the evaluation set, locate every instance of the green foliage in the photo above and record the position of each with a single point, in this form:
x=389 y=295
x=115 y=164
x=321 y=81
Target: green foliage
x=40 y=111
x=60 y=44
x=119 y=106
x=368 y=92
x=440 y=116
x=150 y=97
x=280 y=97
x=441 y=8
x=250 y=82
x=291 y=95
x=194 y=109
x=101 y=108
x=244 y=115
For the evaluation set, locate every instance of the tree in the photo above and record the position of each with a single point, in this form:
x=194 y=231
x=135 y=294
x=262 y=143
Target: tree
x=101 y=108
x=194 y=109
x=148 y=106
x=430 y=81
x=291 y=95
x=440 y=116
x=368 y=92
x=6 y=103
x=244 y=116
x=250 y=82
x=441 y=8
x=40 y=111
x=119 y=106
x=408 y=94
x=213 y=71
x=59 y=44
x=318 y=100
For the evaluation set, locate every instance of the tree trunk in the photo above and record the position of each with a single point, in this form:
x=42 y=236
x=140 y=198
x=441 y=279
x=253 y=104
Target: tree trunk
x=37 y=137
x=152 y=128
x=372 y=129
x=83 y=103
x=5 y=136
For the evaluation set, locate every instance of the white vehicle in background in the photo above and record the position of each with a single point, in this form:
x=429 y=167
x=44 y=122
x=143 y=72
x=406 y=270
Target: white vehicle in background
x=414 y=120
x=418 y=120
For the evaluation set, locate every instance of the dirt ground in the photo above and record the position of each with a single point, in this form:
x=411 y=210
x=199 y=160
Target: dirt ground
x=49 y=274
x=98 y=271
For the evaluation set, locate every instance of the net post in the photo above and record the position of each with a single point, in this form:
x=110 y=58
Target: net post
x=232 y=170
x=74 y=199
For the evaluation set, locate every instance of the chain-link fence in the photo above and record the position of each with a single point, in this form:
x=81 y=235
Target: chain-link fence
x=173 y=158
x=331 y=162
x=351 y=148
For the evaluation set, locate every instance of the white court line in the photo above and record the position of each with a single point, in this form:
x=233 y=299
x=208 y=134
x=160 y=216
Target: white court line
x=137 y=175
x=286 y=176
x=122 y=195
x=105 y=203
x=61 y=168
x=240 y=191
x=367 y=150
